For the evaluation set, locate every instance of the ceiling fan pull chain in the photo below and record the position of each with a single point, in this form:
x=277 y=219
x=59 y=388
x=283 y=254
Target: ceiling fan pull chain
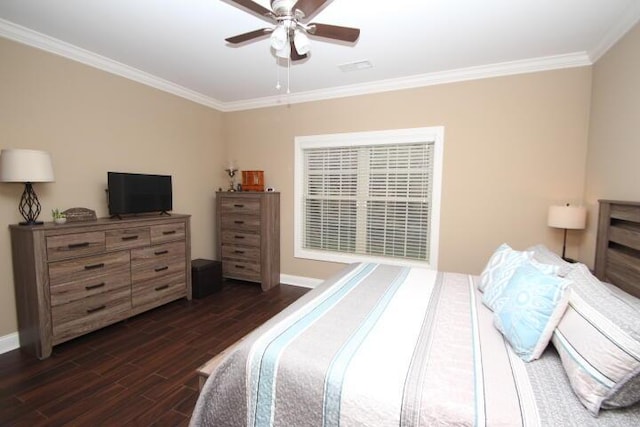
x=288 y=75
x=278 y=73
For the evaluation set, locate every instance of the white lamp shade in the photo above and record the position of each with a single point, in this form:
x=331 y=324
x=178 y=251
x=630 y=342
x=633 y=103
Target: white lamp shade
x=568 y=217
x=301 y=41
x=279 y=38
x=20 y=165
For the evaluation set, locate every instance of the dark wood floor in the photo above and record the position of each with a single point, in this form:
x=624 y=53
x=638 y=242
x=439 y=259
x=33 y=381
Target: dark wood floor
x=138 y=372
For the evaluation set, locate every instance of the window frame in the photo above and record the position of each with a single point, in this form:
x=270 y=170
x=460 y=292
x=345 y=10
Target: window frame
x=433 y=134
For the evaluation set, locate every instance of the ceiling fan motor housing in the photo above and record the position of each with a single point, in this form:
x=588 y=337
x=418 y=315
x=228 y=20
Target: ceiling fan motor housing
x=283 y=7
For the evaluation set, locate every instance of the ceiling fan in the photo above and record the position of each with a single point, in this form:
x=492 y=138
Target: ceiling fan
x=289 y=34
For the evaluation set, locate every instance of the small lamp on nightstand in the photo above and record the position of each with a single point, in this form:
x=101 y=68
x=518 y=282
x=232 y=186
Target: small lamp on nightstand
x=27 y=167
x=568 y=218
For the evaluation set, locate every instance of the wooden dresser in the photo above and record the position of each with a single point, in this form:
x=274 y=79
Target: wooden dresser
x=75 y=278
x=249 y=236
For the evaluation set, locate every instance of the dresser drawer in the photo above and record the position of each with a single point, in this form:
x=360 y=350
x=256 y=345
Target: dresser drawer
x=127 y=238
x=242 y=253
x=74 y=245
x=239 y=206
x=63 y=272
x=243 y=270
x=157 y=255
x=87 y=314
x=162 y=289
x=113 y=278
x=167 y=232
x=241 y=222
x=230 y=237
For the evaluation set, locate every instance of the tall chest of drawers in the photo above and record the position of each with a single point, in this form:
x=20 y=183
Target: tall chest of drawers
x=249 y=236
x=75 y=278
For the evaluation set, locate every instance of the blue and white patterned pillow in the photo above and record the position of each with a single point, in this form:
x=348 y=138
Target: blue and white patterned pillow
x=533 y=304
x=494 y=295
x=501 y=265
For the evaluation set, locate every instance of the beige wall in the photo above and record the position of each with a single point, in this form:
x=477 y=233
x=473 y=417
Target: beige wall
x=613 y=165
x=92 y=122
x=513 y=146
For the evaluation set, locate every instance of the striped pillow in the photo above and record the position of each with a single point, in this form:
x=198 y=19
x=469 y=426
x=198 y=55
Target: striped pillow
x=598 y=340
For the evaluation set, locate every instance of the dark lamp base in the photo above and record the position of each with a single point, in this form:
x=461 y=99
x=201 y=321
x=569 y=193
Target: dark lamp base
x=31 y=223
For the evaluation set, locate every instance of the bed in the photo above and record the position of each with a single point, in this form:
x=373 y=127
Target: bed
x=387 y=345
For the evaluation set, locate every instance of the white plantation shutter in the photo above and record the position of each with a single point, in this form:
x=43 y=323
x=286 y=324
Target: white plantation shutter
x=367 y=199
x=398 y=201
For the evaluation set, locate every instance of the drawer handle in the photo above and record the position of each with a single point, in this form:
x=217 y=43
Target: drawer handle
x=238 y=206
x=240 y=266
x=238 y=252
x=94 y=266
x=238 y=237
x=161 y=269
x=161 y=252
x=166 y=233
x=238 y=222
x=130 y=238
x=78 y=245
x=93 y=310
x=162 y=288
x=99 y=285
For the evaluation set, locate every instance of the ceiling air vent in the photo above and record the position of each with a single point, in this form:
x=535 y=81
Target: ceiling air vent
x=355 y=66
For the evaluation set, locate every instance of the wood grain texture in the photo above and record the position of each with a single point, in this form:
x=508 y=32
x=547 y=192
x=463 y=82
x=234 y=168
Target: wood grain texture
x=127 y=238
x=618 y=245
x=248 y=226
x=141 y=371
x=75 y=245
x=75 y=278
x=161 y=233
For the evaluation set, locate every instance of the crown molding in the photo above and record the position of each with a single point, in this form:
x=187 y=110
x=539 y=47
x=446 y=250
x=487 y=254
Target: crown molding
x=41 y=41
x=579 y=59
x=630 y=18
x=38 y=40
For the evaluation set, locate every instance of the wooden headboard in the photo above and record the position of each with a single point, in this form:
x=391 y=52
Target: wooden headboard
x=618 y=245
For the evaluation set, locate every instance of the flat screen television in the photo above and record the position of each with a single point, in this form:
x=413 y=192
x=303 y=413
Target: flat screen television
x=135 y=193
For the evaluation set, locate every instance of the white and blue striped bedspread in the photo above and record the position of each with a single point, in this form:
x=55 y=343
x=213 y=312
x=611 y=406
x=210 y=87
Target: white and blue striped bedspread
x=380 y=346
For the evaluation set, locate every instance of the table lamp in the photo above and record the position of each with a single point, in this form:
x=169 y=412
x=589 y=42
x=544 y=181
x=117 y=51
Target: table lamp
x=26 y=166
x=568 y=218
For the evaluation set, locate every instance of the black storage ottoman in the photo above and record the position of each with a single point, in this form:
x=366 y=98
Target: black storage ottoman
x=206 y=277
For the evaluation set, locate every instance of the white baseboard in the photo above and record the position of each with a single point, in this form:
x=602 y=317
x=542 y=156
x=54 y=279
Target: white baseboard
x=9 y=342
x=304 y=282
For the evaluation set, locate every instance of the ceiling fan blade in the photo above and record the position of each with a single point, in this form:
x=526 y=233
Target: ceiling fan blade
x=346 y=34
x=309 y=7
x=295 y=56
x=254 y=7
x=240 y=38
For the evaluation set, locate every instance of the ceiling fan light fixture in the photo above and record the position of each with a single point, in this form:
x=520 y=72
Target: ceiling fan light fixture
x=301 y=41
x=279 y=38
x=284 y=52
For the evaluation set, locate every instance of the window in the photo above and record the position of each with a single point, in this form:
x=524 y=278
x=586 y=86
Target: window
x=369 y=196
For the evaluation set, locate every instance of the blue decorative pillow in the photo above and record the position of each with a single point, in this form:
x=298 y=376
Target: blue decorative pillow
x=533 y=304
x=500 y=268
x=494 y=297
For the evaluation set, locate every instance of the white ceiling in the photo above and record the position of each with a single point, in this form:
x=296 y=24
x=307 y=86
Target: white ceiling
x=178 y=45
